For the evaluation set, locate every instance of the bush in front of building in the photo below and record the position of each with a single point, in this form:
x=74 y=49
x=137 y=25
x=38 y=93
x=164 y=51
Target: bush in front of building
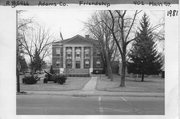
x=30 y=79
x=61 y=79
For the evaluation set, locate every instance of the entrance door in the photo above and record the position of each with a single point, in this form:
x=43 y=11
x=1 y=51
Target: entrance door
x=78 y=64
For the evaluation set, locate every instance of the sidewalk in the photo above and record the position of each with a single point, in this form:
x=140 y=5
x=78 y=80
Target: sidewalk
x=91 y=85
x=89 y=90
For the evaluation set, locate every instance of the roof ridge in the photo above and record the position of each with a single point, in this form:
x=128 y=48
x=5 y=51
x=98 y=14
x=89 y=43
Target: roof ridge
x=76 y=36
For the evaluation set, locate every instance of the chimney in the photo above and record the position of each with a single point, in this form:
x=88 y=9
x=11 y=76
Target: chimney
x=86 y=36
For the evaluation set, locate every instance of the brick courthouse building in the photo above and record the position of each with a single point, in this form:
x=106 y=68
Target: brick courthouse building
x=76 y=56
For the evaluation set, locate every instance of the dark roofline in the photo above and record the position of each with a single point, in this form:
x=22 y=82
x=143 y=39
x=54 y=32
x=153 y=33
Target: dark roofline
x=87 y=39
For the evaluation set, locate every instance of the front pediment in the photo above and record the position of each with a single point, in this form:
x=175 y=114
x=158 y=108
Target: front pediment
x=78 y=40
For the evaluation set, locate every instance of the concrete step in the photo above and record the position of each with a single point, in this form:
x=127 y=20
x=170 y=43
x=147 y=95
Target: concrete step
x=77 y=71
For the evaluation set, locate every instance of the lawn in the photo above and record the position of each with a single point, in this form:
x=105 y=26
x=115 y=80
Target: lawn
x=72 y=83
x=151 y=84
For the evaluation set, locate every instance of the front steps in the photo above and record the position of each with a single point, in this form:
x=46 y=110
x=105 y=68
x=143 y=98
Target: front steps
x=77 y=72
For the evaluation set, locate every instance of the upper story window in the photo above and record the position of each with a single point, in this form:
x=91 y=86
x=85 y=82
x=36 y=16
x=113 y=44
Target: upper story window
x=57 y=51
x=87 y=53
x=78 y=50
x=69 y=56
x=69 y=50
x=78 y=53
x=68 y=53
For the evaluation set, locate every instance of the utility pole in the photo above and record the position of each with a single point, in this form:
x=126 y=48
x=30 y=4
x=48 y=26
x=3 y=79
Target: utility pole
x=17 y=55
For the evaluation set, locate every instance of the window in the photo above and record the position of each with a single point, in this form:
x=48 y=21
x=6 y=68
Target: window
x=58 y=51
x=68 y=50
x=87 y=53
x=78 y=64
x=57 y=63
x=78 y=50
x=68 y=63
x=68 y=56
x=78 y=53
x=68 y=53
x=98 y=53
x=98 y=63
x=86 y=63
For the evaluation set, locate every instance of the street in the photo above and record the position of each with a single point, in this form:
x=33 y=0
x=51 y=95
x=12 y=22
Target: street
x=89 y=105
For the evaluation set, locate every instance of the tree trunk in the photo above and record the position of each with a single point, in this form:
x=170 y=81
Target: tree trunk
x=106 y=71
x=123 y=72
x=31 y=67
x=109 y=69
x=110 y=74
x=104 y=62
x=142 y=77
x=18 y=81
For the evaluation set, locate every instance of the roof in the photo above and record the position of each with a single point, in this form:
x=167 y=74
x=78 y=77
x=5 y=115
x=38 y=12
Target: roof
x=78 y=39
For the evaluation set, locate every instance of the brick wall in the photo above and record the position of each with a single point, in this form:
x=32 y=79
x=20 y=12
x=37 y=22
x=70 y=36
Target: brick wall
x=57 y=58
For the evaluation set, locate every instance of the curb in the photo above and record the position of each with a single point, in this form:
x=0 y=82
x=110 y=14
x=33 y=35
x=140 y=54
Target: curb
x=88 y=94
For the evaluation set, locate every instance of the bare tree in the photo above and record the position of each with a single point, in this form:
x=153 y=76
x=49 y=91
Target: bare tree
x=21 y=26
x=159 y=33
x=120 y=28
x=100 y=32
x=36 y=40
x=32 y=38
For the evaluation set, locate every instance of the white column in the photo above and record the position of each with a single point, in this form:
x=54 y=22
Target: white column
x=82 y=57
x=64 y=57
x=73 y=57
